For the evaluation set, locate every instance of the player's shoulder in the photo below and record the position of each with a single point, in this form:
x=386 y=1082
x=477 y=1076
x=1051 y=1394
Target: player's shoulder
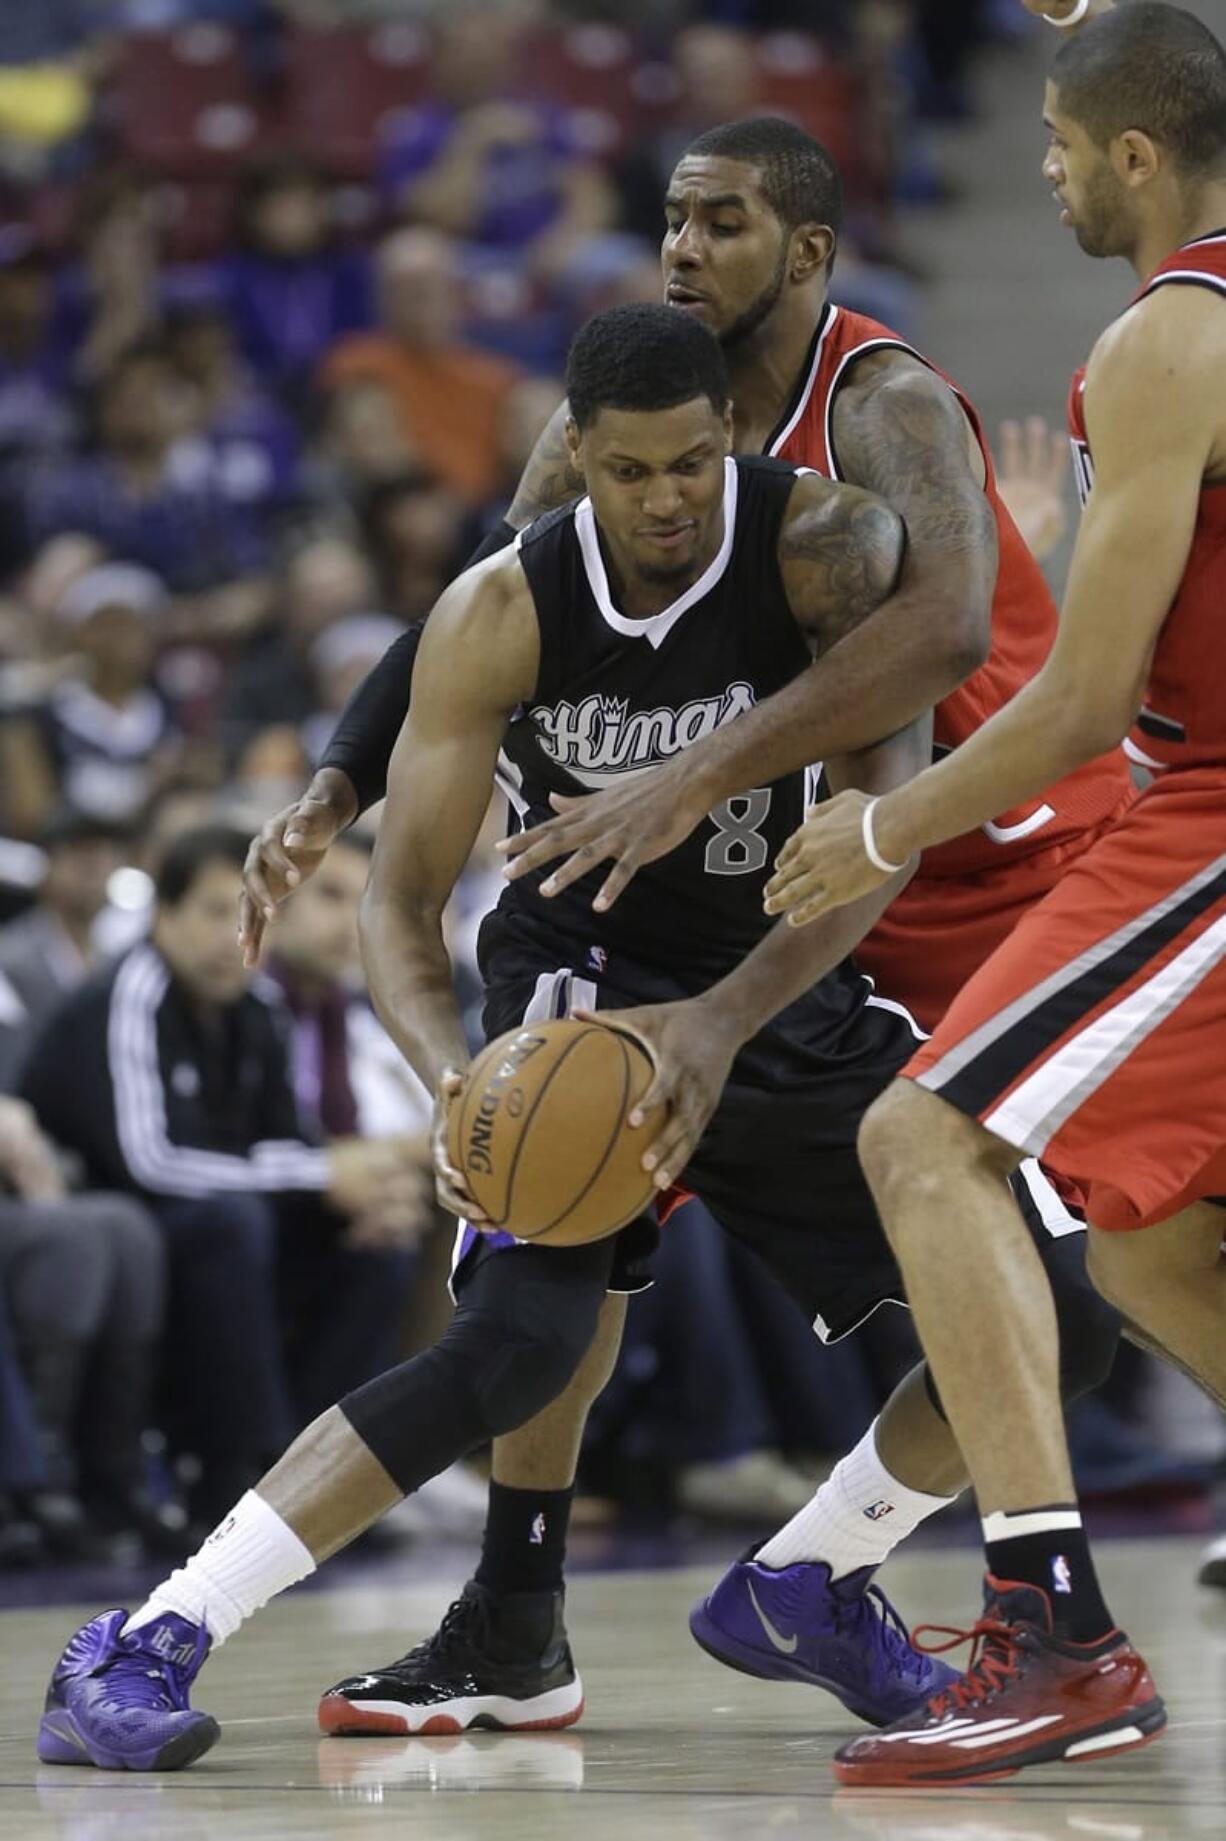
x=1171 y=340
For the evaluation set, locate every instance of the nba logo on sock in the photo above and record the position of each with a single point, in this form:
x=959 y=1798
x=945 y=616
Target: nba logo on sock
x=877 y=1511
x=1061 y=1573
x=537 y=1536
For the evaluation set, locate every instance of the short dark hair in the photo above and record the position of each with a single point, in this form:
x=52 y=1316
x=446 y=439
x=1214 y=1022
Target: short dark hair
x=798 y=176
x=1149 y=67
x=643 y=358
x=187 y=856
x=69 y=824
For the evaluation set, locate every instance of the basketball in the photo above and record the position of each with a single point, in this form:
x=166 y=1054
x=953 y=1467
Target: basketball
x=540 y=1133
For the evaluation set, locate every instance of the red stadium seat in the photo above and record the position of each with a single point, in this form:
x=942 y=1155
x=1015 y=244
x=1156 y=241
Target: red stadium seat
x=800 y=79
x=344 y=89
x=595 y=72
x=185 y=104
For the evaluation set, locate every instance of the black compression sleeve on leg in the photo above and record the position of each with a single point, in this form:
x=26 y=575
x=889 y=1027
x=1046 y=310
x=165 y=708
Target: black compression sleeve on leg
x=524 y=1322
x=363 y=739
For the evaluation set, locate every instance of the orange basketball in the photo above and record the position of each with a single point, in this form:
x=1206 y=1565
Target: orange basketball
x=540 y=1134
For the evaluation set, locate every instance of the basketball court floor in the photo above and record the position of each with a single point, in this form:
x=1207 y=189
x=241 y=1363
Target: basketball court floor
x=671 y=1744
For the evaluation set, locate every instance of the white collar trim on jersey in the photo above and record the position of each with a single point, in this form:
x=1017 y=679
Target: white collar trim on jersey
x=789 y=427
x=656 y=627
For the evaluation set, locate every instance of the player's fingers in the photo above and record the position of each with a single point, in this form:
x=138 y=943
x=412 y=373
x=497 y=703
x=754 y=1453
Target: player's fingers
x=1010 y=448
x=673 y=1147
x=786 y=874
x=250 y=930
x=792 y=890
x=547 y=842
x=811 y=909
x=625 y=867
x=579 y=863
x=311 y=826
x=566 y=802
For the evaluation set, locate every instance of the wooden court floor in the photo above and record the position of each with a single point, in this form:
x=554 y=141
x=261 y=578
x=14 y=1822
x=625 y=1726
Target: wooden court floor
x=671 y=1744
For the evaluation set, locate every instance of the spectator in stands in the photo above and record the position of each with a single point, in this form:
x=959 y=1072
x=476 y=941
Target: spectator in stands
x=719 y=80
x=22 y=1467
x=36 y=415
x=149 y=492
x=292 y=288
x=347 y=1077
x=414 y=529
x=82 y=1280
x=255 y=441
x=360 y=443
x=510 y=177
x=340 y=659
x=103 y=737
x=50 y=949
x=168 y=1077
x=322 y=579
x=449 y=396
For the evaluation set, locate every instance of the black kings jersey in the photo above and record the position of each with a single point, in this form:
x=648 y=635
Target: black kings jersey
x=616 y=697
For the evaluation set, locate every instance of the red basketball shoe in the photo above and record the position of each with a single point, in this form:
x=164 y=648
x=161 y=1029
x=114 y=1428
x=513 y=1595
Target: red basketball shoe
x=1028 y=1697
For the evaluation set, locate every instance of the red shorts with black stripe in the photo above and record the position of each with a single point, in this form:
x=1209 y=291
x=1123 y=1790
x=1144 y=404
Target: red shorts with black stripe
x=1095 y=1037
x=934 y=937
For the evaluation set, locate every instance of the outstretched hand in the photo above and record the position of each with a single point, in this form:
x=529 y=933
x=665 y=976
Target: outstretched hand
x=1034 y=463
x=824 y=864
x=633 y=824
x=286 y=851
x=692 y=1050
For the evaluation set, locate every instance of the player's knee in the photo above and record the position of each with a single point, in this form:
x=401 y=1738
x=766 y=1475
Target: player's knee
x=519 y=1359
x=881 y=1139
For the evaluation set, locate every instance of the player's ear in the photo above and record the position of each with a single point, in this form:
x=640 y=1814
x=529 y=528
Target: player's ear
x=813 y=246
x=1135 y=157
x=574 y=445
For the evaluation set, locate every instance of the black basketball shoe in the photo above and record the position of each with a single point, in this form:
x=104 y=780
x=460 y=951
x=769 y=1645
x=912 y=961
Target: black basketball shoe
x=501 y=1662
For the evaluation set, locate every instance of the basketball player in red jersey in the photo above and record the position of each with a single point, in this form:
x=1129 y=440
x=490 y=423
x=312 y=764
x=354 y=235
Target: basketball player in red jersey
x=1095 y=1037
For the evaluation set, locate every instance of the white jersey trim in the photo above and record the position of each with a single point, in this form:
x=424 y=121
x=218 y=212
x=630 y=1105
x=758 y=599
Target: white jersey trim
x=657 y=627
x=810 y=384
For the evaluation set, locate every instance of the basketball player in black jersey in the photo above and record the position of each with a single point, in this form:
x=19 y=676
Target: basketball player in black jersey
x=686 y=589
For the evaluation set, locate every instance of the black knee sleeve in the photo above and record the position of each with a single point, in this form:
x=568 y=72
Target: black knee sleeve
x=523 y=1324
x=1089 y=1326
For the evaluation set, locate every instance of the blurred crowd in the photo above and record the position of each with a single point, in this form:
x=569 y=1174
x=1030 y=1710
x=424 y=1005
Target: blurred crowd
x=285 y=289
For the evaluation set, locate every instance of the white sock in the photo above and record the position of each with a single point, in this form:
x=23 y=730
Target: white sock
x=247 y=1559
x=857 y=1518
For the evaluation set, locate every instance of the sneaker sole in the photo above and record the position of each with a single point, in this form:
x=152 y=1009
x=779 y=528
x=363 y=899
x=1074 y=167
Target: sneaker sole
x=60 y=1741
x=1128 y=1733
x=745 y=1660
x=339 y=1717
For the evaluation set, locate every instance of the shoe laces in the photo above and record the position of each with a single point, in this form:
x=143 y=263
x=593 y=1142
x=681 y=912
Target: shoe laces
x=464 y=1623
x=995 y=1656
x=154 y=1681
x=895 y=1639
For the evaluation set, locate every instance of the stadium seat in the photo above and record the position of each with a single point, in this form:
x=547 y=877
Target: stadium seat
x=344 y=89
x=185 y=104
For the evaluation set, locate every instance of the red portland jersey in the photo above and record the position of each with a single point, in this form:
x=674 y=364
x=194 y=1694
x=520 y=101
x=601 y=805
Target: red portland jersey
x=1183 y=719
x=1023 y=620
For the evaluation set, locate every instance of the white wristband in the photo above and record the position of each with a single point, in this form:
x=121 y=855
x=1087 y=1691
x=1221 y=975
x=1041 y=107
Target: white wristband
x=1074 y=18
x=870 y=843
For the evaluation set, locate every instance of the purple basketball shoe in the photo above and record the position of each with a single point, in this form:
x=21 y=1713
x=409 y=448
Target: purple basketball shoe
x=797 y=1624
x=121 y=1702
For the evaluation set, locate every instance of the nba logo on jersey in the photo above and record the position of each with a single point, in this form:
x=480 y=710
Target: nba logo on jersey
x=598 y=958
x=1061 y=1574
x=537 y=1536
x=877 y=1511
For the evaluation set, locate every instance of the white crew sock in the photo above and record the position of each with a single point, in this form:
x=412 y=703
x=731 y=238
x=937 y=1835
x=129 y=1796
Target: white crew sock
x=857 y=1518
x=247 y=1559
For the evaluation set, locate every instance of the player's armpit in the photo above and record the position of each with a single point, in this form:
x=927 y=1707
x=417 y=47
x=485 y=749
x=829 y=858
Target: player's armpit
x=550 y=478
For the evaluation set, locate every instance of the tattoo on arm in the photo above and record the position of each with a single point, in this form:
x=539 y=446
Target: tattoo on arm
x=840 y=560
x=900 y=432
x=550 y=478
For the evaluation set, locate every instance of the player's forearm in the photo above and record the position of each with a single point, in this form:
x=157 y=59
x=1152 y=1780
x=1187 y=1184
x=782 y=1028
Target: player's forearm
x=877 y=680
x=409 y=977
x=1033 y=742
x=791 y=960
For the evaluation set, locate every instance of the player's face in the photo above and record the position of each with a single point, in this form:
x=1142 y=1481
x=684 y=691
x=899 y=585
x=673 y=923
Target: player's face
x=725 y=253
x=1080 y=173
x=656 y=480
